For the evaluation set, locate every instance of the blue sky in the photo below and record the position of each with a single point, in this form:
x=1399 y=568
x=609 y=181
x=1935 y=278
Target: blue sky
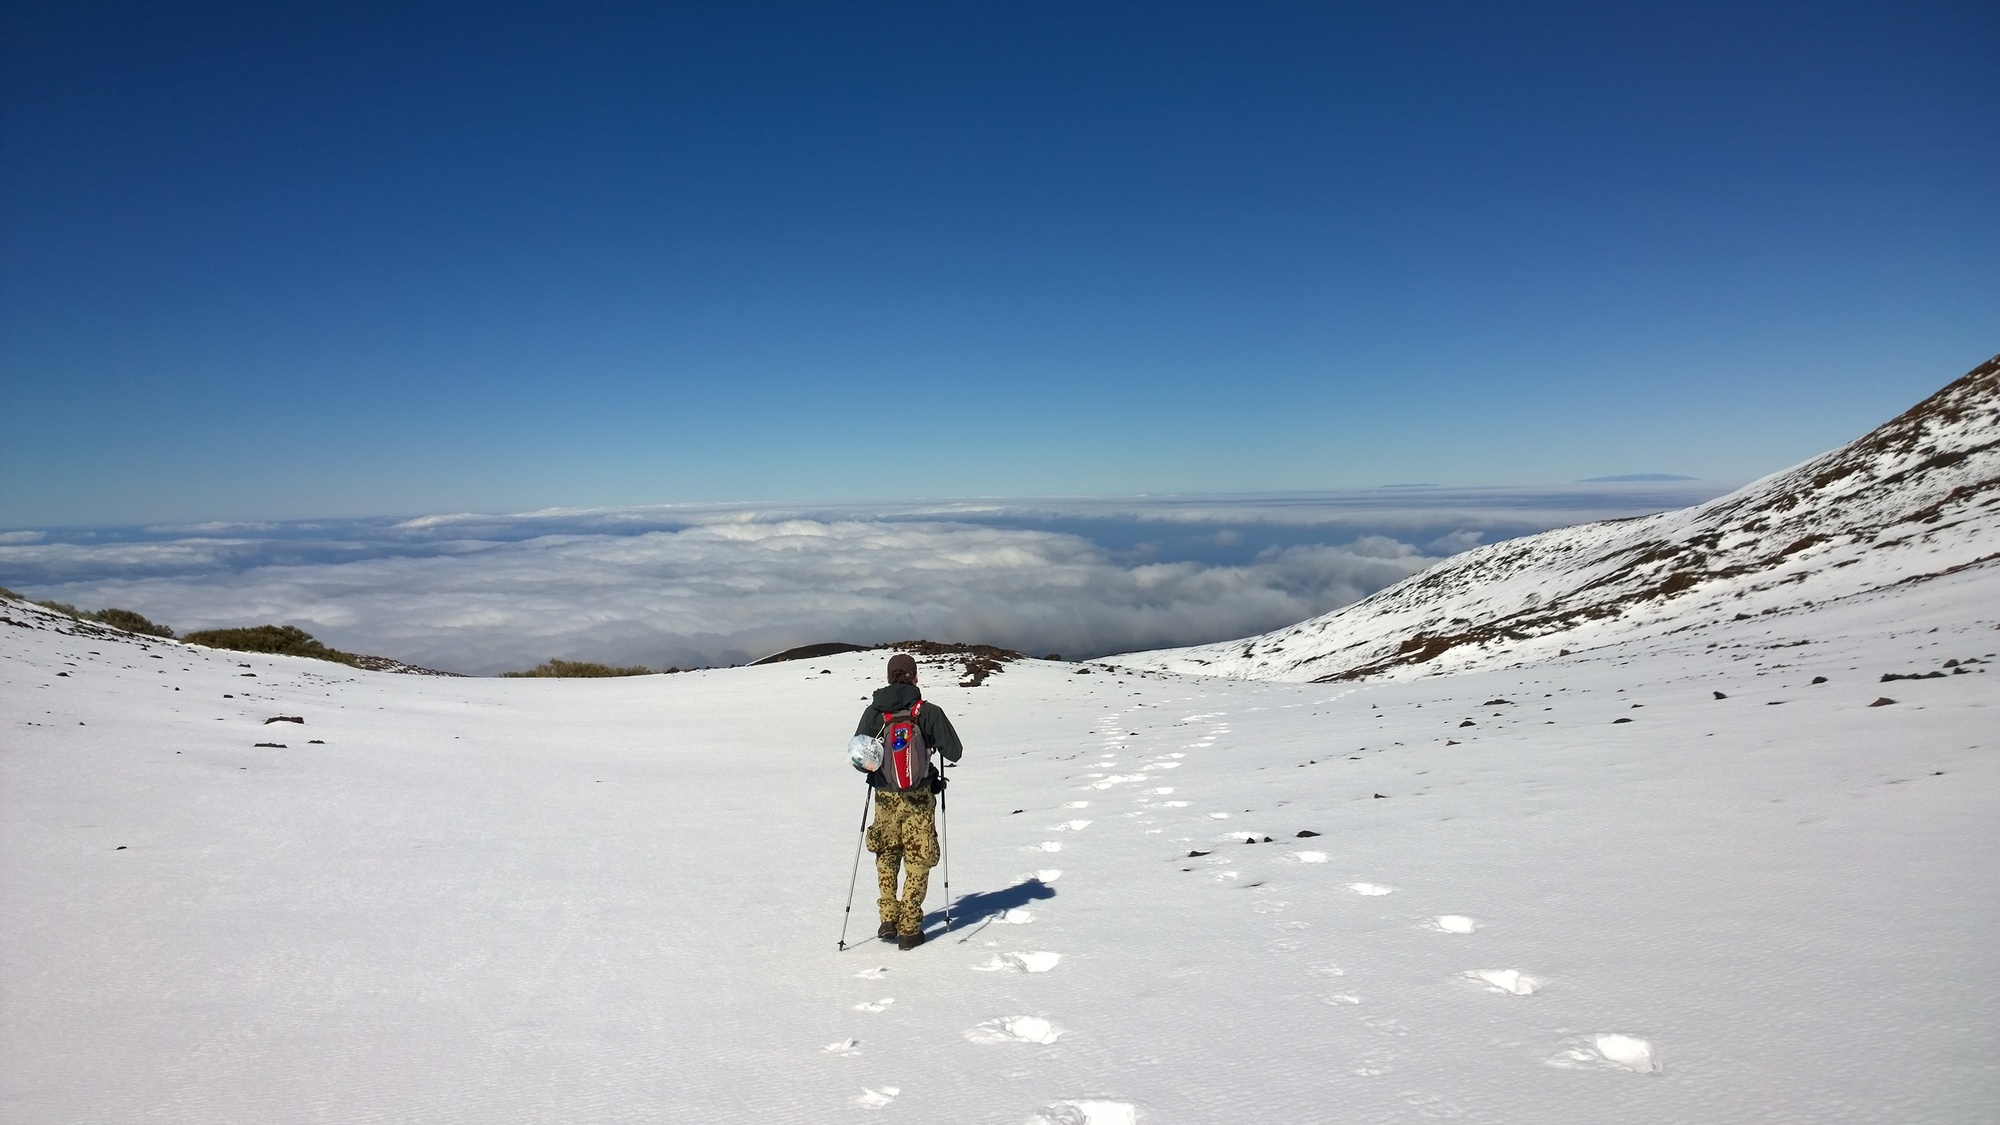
x=320 y=260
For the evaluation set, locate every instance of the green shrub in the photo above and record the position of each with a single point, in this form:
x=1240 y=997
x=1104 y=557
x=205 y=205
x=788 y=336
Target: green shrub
x=280 y=640
x=567 y=669
x=64 y=608
x=131 y=622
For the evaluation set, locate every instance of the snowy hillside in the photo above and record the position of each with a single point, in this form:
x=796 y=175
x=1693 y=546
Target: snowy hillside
x=1917 y=498
x=1704 y=875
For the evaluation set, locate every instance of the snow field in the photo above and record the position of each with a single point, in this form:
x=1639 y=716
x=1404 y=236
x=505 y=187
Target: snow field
x=618 y=900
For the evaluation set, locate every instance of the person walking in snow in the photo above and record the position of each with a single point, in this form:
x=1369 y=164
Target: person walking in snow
x=904 y=833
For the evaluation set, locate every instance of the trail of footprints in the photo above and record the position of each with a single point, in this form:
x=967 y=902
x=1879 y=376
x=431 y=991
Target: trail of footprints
x=1611 y=1050
x=1038 y=1030
x=1029 y=1029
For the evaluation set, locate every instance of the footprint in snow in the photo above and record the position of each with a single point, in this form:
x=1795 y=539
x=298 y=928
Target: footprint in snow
x=1452 y=924
x=1431 y=1105
x=1218 y=816
x=1087 y=1111
x=1033 y=961
x=876 y=973
x=1371 y=889
x=881 y=1005
x=1070 y=826
x=1077 y=805
x=1173 y=804
x=1046 y=875
x=1161 y=791
x=1383 y=1025
x=1375 y=1061
x=1513 y=982
x=1015 y=1029
x=1309 y=857
x=1046 y=846
x=1014 y=916
x=847 y=1048
x=1608 y=1052
x=877 y=1098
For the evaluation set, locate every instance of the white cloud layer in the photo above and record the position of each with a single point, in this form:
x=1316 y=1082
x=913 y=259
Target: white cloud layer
x=687 y=587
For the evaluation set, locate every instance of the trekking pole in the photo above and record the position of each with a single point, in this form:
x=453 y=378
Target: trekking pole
x=856 y=874
x=944 y=812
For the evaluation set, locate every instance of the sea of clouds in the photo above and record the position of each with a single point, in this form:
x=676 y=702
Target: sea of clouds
x=687 y=586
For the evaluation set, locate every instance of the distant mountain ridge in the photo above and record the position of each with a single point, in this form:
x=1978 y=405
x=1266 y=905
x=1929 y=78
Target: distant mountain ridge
x=1915 y=498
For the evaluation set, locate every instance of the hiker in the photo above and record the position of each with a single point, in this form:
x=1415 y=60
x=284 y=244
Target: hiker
x=904 y=834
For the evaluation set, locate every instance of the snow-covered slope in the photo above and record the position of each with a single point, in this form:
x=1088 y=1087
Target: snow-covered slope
x=1916 y=498
x=1583 y=891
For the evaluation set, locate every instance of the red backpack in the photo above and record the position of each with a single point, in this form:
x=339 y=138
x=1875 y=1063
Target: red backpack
x=906 y=761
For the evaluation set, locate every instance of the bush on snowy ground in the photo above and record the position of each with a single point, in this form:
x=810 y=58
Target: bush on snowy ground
x=279 y=640
x=568 y=669
x=131 y=622
x=128 y=620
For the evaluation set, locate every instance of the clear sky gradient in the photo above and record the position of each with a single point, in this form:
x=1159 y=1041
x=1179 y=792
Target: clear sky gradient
x=317 y=259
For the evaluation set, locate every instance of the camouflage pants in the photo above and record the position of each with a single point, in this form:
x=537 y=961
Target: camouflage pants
x=903 y=835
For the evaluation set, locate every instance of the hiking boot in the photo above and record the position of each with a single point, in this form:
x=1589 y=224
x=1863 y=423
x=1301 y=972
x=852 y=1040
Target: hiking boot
x=909 y=941
x=886 y=931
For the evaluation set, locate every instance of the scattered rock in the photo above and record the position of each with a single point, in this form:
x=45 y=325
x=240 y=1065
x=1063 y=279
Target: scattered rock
x=1819 y=679
x=1496 y=702
x=273 y=745
x=1615 y=722
x=1719 y=695
x=1888 y=676
x=315 y=742
x=1882 y=701
x=1381 y=796
x=1305 y=832
x=300 y=719
x=1468 y=723
x=1192 y=855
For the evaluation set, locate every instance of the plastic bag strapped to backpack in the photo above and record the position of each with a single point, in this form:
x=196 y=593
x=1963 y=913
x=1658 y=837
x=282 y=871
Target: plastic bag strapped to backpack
x=865 y=753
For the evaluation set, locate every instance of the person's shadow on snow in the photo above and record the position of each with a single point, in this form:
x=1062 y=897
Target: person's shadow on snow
x=980 y=906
